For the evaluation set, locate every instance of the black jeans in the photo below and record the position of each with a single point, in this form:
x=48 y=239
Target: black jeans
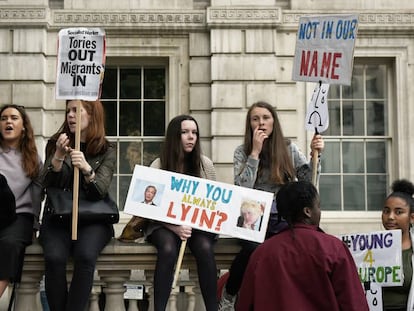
x=58 y=246
x=201 y=245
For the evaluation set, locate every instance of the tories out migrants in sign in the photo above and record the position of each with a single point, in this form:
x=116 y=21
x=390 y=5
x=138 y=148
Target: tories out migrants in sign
x=80 y=63
x=200 y=203
x=325 y=49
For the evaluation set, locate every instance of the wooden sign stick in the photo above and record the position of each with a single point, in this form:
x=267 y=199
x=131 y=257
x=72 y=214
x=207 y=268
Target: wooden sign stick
x=179 y=261
x=75 y=205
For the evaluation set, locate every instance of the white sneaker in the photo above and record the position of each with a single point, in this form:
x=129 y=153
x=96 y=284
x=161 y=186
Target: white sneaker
x=227 y=301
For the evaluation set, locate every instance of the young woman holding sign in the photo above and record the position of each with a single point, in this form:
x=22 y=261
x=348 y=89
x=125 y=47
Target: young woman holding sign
x=265 y=162
x=96 y=161
x=398 y=213
x=20 y=166
x=181 y=153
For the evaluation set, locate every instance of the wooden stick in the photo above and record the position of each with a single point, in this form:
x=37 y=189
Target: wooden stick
x=315 y=160
x=179 y=261
x=75 y=205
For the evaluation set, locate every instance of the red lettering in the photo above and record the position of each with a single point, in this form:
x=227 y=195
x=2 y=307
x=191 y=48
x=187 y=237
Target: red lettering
x=326 y=64
x=314 y=66
x=304 y=63
x=169 y=213
x=336 y=56
x=185 y=210
x=206 y=220
x=194 y=218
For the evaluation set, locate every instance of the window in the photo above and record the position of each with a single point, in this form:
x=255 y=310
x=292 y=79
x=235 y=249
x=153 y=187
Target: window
x=355 y=163
x=135 y=109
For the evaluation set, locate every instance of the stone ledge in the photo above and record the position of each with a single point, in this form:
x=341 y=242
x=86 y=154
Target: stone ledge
x=136 y=256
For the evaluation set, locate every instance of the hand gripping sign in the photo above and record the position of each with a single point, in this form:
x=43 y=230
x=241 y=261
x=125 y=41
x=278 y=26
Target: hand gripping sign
x=80 y=63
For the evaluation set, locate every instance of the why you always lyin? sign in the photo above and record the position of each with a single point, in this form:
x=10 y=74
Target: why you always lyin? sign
x=200 y=203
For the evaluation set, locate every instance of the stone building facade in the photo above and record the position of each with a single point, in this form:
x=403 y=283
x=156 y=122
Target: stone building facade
x=217 y=57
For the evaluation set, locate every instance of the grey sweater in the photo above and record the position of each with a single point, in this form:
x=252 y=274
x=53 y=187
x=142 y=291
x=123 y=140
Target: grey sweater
x=26 y=191
x=246 y=168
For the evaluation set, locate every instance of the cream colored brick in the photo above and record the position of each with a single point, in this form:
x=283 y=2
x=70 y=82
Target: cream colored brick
x=22 y=67
x=200 y=97
x=29 y=41
x=5 y=41
x=29 y=94
x=227 y=95
x=224 y=173
x=260 y=41
x=54 y=121
x=291 y=124
x=37 y=121
x=261 y=91
x=235 y=67
x=203 y=120
x=285 y=43
x=199 y=44
x=226 y=41
x=281 y=96
x=200 y=70
x=223 y=149
x=5 y=93
x=227 y=122
x=284 y=69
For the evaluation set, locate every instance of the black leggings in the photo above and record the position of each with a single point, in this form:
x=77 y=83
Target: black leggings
x=168 y=244
x=58 y=246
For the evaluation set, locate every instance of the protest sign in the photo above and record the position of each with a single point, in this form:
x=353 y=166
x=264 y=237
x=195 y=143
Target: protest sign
x=377 y=256
x=317 y=115
x=80 y=63
x=325 y=49
x=200 y=203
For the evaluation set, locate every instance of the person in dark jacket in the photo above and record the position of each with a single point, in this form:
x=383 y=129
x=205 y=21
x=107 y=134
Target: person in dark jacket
x=301 y=267
x=96 y=161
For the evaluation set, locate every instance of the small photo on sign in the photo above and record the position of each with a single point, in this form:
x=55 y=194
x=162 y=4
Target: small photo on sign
x=251 y=215
x=148 y=192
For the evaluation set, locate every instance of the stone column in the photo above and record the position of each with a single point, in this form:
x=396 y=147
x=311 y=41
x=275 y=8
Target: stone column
x=114 y=289
x=27 y=292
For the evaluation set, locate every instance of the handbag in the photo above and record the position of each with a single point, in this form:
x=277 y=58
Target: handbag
x=99 y=211
x=134 y=229
x=8 y=204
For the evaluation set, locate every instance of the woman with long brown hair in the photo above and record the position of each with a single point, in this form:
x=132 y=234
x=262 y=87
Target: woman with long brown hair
x=266 y=161
x=181 y=153
x=96 y=161
x=20 y=164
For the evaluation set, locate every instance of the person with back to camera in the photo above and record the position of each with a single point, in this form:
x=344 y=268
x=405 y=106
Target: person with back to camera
x=181 y=153
x=398 y=213
x=301 y=267
x=265 y=162
x=20 y=164
x=96 y=161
